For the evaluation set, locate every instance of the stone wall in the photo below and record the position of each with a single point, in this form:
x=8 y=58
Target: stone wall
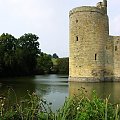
x=89 y=32
x=109 y=57
x=116 y=48
x=94 y=54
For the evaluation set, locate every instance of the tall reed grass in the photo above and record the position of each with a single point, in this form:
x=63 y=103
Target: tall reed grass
x=78 y=107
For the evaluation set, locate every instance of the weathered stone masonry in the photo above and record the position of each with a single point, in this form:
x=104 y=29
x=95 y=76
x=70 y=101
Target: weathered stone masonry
x=94 y=54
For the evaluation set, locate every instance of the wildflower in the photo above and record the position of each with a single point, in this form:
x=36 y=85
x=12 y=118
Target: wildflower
x=2 y=104
x=78 y=108
x=1 y=97
x=117 y=105
x=34 y=93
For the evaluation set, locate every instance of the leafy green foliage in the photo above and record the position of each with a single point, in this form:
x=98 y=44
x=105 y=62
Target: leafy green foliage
x=44 y=63
x=63 y=65
x=7 y=53
x=82 y=108
x=77 y=107
x=27 y=51
x=31 y=107
x=22 y=56
x=18 y=56
x=55 y=55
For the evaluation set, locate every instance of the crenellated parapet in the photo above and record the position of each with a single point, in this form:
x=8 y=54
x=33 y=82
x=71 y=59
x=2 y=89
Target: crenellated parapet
x=102 y=6
x=86 y=9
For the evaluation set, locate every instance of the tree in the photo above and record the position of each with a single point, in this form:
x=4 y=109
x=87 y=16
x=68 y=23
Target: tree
x=44 y=63
x=55 y=55
x=27 y=52
x=18 y=56
x=7 y=53
x=63 y=65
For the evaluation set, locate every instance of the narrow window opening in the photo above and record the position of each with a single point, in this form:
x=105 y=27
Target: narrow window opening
x=115 y=48
x=76 y=21
x=106 y=47
x=95 y=56
x=76 y=38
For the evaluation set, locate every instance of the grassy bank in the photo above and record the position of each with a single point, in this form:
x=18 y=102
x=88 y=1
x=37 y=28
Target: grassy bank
x=77 y=107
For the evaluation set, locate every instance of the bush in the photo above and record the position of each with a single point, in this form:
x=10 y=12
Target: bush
x=82 y=108
x=32 y=108
x=78 y=107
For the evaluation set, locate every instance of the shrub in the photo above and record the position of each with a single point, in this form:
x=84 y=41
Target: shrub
x=32 y=108
x=82 y=108
x=78 y=107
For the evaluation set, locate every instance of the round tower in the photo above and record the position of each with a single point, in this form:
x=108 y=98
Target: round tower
x=89 y=32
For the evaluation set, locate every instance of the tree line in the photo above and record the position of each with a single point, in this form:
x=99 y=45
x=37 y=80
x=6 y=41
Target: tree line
x=22 y=56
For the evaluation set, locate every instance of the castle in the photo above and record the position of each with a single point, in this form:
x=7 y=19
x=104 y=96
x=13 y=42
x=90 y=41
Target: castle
x=94 y=54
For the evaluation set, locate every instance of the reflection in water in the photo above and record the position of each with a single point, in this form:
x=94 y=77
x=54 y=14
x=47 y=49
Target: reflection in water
x=53 y=88
x=16 y=88
x=103 y=89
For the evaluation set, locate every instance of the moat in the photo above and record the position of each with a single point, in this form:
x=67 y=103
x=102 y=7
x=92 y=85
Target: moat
x=55 y=88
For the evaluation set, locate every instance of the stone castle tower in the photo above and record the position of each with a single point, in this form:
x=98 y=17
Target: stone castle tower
x=94 y=54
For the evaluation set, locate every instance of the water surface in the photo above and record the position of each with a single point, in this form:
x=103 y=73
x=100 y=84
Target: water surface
x=103 y=90
x=55 y=88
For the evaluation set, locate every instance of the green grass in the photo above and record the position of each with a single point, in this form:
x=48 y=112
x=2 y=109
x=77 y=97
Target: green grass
x=30 y=108
x=78 y=107
x=54 y=60
x=82 y=108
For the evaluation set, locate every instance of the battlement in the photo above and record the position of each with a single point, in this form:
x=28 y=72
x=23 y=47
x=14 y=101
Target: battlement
x=86 y=9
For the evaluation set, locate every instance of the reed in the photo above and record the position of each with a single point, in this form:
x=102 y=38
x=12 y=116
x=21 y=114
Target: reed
x=78 y=107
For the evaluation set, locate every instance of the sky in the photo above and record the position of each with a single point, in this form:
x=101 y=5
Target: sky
x=49 y=20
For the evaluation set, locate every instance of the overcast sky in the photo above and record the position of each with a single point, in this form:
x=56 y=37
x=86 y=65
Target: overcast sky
x=49 y=19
